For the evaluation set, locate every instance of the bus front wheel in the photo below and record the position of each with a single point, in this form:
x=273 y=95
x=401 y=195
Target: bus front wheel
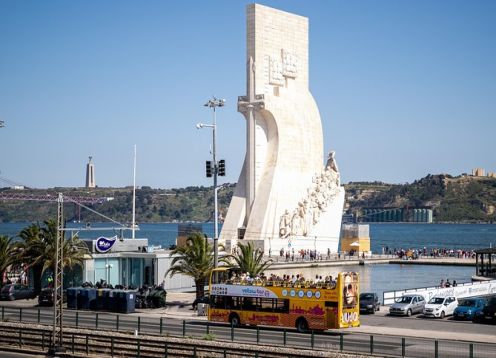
x=301 y=325
x=234 y=320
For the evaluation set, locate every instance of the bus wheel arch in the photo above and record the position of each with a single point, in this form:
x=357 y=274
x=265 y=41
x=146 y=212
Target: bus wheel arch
x=234 y=320
x=301 y=325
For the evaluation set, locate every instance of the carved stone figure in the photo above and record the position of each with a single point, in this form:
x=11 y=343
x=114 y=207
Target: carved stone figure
x=331 y=162
x=285 y=225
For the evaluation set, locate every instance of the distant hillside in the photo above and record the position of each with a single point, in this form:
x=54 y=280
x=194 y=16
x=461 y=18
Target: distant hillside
x=453 y=199
x=152 y=205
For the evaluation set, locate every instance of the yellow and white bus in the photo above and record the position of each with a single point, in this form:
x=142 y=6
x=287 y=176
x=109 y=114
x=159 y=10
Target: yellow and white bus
x=305 y=306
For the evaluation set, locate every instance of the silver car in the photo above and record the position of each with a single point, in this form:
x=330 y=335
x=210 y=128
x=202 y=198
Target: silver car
x=407 y=305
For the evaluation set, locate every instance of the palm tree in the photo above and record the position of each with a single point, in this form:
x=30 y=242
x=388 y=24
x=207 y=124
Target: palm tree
x=195 y=259
x=38 y=249
x=7 y=254
x=248 y=259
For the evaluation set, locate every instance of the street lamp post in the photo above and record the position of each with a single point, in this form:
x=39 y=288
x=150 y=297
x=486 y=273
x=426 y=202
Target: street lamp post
x=214 y=103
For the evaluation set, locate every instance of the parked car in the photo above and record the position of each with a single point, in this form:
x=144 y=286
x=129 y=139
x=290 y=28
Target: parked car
x=16 y=291
x=204 y=299
x=440 y=307
x=469 y=307
x=369 y=302
x=488 y=312
x=45 y=297
x=407 y=305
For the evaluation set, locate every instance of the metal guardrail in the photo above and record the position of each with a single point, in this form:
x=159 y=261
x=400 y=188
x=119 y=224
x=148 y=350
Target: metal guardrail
x=388 y=297
x=128 y=332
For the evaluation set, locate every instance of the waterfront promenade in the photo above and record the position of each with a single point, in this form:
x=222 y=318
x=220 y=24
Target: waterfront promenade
x=345 y=260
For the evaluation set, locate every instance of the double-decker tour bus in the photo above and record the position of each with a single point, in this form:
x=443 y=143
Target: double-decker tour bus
x=305 y=305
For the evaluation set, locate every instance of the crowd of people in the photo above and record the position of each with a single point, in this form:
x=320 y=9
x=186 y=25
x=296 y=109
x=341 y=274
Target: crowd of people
x=284 y=281
x=413 y=253
x=447 y=283
x=303 y=255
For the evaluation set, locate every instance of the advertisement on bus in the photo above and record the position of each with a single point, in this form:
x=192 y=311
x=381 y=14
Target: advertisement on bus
x=349 y=308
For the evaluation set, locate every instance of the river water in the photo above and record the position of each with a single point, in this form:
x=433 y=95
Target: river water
x=376 y=278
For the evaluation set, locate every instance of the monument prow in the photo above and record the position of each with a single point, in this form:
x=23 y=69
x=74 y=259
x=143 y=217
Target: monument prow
x=285 y=197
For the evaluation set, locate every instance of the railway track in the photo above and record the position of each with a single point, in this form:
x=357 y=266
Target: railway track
x=79 y=342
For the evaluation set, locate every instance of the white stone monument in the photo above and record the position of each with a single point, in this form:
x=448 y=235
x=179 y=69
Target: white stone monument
x=285 y=196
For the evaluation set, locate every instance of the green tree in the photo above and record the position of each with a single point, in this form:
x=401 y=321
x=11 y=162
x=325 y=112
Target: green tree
x=38 y=250
x=195 y=260
x=7 y=254
x=248 y=259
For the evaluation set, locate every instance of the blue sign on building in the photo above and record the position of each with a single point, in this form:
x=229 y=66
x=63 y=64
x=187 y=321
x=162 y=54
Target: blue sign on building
x=104 y=244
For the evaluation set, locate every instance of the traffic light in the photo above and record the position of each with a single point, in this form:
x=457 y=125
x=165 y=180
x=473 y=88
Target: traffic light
x=208 y=167
x=222 y=167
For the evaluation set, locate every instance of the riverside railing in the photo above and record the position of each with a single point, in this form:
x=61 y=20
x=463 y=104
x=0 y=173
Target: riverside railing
x=320 y=341
x=461 y=290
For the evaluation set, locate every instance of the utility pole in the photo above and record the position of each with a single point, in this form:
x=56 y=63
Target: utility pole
x=57 y=334
x=214 y=103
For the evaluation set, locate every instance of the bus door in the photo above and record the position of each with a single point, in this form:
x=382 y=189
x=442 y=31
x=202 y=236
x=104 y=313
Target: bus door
x=332 y=317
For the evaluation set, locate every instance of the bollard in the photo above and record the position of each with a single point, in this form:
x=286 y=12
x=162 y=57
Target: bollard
x=139 y=348
x=112 y=346
x=20 y=314
x=208 y=328
x=39 y=314
x=371 y=344
x=284 y=339
x=312 y=340
x=161 y=326
x=139 y=324
x=471 y=350
x=184 y=328
x=341 y=342
x=117 y=323
x=77 y=319
x=225 y=354
x=258 y=335
x=403 y=346
x=3 y=313
x=436 y=349
x=87 y=344
x=194 y=352
x=232 y=332
x=42 y=340
x=96 y=321
x=165 y=350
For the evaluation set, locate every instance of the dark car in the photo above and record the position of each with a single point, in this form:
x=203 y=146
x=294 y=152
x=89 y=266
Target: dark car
x=369 y=302
x=204 y=299
x=488 y=313
x=46 y=297
x=13 y=292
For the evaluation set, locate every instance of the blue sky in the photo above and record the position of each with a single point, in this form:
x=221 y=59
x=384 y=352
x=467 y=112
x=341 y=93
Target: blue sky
x=404 y=88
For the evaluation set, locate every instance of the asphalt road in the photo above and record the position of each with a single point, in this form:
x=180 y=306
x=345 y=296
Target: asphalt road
x=380 y=343
x=419 y=322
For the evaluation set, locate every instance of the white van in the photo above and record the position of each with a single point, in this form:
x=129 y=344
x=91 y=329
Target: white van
x=440 y=306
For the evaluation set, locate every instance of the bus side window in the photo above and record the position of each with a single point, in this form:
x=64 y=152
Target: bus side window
x=281 y=306
x=331 y=304
x=248 y=303
x=266 y=304
x=237 y=303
